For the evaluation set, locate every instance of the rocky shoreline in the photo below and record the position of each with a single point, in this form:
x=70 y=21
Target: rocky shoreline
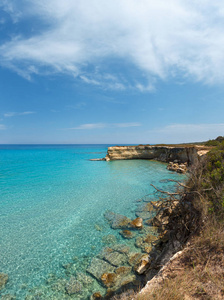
x=182 y=154
x=121 y=266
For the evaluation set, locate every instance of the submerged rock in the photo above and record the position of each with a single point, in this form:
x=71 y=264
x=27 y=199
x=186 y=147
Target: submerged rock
x=143 y=214
x=73 y=286
x=84 y=279
x=146 y=207
x=114 y=281
x=115 y=258
x=145 y=242
x=121 y=248
x=109 y=279
x=59 y=285
x=127 y=234
x=98 y=267
x=3 y=280
x=109 y=239
x=123 y=270
x=8 y=297
x=117 y=221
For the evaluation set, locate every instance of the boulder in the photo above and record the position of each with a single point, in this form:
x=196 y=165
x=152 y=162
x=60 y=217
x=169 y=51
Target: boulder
x=143 y=265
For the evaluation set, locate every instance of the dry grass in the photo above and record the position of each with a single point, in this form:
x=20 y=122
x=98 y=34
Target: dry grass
x=197 y=274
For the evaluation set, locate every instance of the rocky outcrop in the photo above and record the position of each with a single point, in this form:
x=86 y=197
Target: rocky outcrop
x=179 y=168
x=182 y=154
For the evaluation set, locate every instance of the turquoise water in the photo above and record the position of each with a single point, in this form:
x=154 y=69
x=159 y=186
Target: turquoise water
x=52 y=200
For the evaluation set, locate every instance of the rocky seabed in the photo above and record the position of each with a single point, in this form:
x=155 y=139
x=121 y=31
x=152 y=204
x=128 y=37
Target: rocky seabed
x=117 y=267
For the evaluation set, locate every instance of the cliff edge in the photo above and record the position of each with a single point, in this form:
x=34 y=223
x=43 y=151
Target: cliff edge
x=182 y=154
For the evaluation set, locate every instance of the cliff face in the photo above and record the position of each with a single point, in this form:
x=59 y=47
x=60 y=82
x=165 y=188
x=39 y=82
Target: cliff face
x=160 y=153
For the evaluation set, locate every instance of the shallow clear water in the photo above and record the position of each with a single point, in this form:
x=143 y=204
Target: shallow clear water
x=52 y=200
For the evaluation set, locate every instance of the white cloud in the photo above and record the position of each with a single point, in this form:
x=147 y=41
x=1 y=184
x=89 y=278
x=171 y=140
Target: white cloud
x=106 y=125
x=13 y=114
x=3 y=127
x=134 y=124
x=161 y=39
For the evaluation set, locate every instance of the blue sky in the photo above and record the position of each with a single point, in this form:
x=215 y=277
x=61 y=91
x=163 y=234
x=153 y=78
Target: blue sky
x=115 y=71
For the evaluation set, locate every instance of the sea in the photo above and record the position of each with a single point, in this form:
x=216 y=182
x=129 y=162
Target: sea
x=53 y=199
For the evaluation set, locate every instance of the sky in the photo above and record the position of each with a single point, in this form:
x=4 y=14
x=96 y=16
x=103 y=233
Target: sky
x=111 y=72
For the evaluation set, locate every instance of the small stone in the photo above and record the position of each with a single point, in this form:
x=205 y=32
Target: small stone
x=137 y=223
x=98 y=227
x=73 y=286
x=3 y=280
x=127 y=234
x=96 y=296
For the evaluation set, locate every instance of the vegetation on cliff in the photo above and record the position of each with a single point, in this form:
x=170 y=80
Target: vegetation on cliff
x=198 y=223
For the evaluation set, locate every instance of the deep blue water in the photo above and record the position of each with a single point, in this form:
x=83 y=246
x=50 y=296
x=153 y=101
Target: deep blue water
x=51 y=200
